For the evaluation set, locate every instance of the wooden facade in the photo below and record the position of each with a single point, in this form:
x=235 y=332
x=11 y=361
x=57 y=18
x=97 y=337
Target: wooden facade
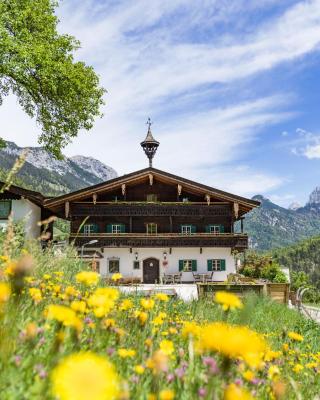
x=152 y=196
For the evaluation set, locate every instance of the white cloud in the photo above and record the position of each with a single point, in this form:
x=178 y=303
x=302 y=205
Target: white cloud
x=307 y=144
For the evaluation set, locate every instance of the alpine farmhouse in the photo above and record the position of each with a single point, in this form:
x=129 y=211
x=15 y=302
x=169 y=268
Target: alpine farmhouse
x=151 y=223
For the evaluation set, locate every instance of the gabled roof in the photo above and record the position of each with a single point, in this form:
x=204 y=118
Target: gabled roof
x=35 y=197
x=138 y=175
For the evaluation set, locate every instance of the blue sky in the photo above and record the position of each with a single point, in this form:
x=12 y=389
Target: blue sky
x=232 y=86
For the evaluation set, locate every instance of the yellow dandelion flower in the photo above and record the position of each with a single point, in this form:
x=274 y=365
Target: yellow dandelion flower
x=248 y=375
x=108 y=322
x=139 y=369
x=166 y=394
x=295 y=336
x=64 y=315
x=297 y=368
x=162 y=297
x=190 y=329
x=147 y=304
x=273 y=372
x=158 y=362
x=167 y=347
x=70 y=291
x=237 y=342
x=126 y=305
x=116 y=277
x=126 y=353
x=79 y=306
x=88 y=278
x=228 y=301
x=141 y=316
x=5 y=292
x=103 y=301
x=36 y=294
x=85 y=376
x=234 y=392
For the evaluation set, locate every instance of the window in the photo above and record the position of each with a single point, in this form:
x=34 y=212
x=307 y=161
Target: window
x=136 y=264
x=114 y=266
x=89 y=228
x=214 y=228
x=152 y=197
x=151 y=228
x=186 y=229
x=216 y=265
x=185 y=199
x=116 y=228
x=187 y=265
x=5 y=208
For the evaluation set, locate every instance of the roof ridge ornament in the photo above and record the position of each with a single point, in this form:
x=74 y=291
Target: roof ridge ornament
x=150 y=145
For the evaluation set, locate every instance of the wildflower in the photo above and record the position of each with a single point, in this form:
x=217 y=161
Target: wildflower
x=237 y=342
x=126 y=305
x=166 y=394
x=102 y=301
x=64 y=315
x=79 y=306
x=248 y=375
x=159 y=319
x=162 y=297
x=273 y=372
x=142 y=316
x=116 y=277
x=139 y=369
x=31 y=331
x=191 y=329
x=70 y=291
x=295 y=336
x=108 y=323
x=234 y=392
x=147 y=304
x=85 y=376
x=88 y=278
x=166 y=346
x=126 y=353
x=212 y=364
x=228 y=301
x=297 y=368
x=5 y=292
x=36 y=294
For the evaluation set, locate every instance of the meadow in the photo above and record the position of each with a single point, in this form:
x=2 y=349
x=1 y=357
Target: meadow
x=65 y=335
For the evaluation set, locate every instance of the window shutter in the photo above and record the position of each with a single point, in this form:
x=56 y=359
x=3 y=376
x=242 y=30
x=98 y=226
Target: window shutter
x=180 y=265
x=193 y=229
x=194 y=265
x=207 y=229
x=209 y=263
x=95 y=228
x=223 y=265
x=221 y=228
x=109 y=228
x=181 y=228
x=123 y=228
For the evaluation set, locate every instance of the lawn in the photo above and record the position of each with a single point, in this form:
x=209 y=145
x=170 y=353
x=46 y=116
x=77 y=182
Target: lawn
x=65 y=335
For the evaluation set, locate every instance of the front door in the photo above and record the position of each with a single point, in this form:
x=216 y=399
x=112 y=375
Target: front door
x=151 y=270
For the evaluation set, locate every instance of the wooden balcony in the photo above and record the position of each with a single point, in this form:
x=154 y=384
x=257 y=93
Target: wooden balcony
x=144 y=209
x=235 y=241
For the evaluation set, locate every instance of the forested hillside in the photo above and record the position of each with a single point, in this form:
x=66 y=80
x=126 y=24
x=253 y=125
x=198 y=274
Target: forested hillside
x=303 y=256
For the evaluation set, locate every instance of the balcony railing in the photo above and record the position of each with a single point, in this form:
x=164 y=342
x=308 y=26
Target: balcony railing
x=131 y=209
x=235 y=241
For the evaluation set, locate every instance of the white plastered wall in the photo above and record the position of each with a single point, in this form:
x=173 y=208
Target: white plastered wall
x=127 y=258
x=28 y=212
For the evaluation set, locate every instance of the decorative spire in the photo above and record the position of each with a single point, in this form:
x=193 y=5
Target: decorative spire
x=149 y=145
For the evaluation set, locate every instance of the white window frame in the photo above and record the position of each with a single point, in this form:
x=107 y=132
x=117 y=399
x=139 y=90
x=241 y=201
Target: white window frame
x=215 y=228
x=186 y=229
x=216 y=265
x=115 y=228
x=110 y=260
x=187 y=266
x=88 y=229
x=147 y=228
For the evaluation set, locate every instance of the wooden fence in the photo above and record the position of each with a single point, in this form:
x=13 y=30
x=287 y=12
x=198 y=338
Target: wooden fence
x=279 y=292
